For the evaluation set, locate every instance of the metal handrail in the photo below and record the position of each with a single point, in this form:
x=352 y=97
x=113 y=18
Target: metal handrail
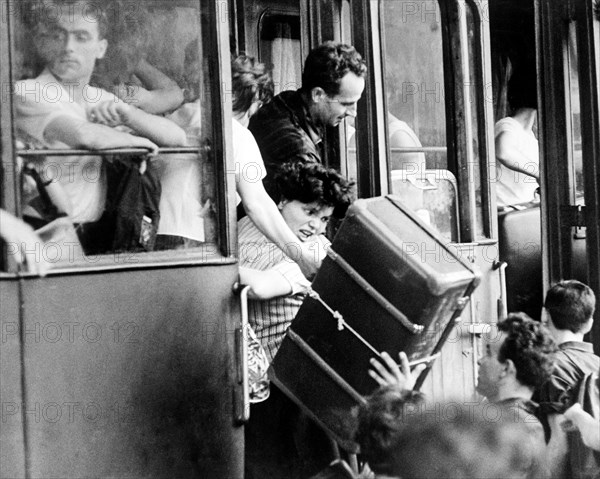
x=108 y=151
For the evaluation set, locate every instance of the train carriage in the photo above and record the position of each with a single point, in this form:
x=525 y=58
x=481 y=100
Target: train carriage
x=130 y=363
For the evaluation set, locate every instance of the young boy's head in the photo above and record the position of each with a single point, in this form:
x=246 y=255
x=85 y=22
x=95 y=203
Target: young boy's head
x=401 y=436
x=380 y=423
x=571 y=305
x=308 y=195
x=520 y=351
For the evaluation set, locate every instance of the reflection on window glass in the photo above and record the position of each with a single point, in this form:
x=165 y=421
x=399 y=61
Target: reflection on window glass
x=573 y=90
x=116 y=75
x=414 y=88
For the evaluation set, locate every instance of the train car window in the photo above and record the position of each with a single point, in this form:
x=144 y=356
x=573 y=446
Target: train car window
x=126 y=78
x=412 y=60
x=280 y=47
x=348 y=165
x=477 y=165
x=575 y=117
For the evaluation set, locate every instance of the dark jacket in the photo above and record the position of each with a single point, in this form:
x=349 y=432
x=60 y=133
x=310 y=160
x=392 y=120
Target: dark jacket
x=285 y=131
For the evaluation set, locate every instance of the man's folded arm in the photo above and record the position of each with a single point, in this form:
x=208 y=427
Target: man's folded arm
x=78 y=133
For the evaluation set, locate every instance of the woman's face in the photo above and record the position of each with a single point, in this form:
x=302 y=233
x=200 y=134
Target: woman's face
x=306 y=220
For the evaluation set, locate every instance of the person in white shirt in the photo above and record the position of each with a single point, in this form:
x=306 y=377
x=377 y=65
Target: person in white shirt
x=59 y=109
x=517 y=150
x=252 y=85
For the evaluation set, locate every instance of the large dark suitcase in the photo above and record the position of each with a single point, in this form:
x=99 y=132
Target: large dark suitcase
x=392 y=286
x=520 y=246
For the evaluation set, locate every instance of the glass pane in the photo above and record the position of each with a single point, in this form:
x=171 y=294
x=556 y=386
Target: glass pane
x=475 y=100
x=573 y=89
x=117 y=75
x=413 y=83
x=348 y=166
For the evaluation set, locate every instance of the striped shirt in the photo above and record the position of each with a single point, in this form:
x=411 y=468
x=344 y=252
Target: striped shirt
x=270 y=318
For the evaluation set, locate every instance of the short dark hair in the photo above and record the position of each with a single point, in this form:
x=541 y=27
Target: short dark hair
x=452 y=441
x=380 y=423
x=250 y=81
x=529 y=345
x=570 y=304
x=95 y=11
x=309 y=182
x=327 y=64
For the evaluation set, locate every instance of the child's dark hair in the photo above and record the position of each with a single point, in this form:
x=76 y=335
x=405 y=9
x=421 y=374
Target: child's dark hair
x=528 y=345
x=251 y=81
x=380 y=424
x=310 y=182
x=570 y=304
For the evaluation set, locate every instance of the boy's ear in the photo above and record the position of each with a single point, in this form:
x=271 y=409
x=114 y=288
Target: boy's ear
x=509 y=368
x=282 y=203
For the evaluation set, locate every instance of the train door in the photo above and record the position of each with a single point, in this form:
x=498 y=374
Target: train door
x=428 y=67
x=513 y=57
x=569 y=76
x=423 y=133
x=123 y=363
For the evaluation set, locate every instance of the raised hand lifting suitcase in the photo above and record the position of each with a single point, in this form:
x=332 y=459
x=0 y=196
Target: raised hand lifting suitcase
x=388 y=284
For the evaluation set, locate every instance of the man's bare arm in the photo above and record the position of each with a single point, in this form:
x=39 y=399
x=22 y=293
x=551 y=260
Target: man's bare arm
x=160 y=95
x=78 y=133
x=156 y=128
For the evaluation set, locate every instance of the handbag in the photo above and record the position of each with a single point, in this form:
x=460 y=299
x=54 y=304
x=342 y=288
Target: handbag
x=258 y=363
x=132 y=204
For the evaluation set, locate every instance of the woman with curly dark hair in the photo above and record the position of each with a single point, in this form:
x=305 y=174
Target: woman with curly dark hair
x=251 y=87
x=280 y=440
x=308 y=195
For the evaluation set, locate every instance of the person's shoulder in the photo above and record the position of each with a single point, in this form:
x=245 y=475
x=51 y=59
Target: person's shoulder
x=31 y=87
x=577 y=348
x=240 y=131
x=280 y=108
x=507 y=124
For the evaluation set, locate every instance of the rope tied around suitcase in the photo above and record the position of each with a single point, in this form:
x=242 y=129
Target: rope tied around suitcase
x=371 y=291
x=341 y=322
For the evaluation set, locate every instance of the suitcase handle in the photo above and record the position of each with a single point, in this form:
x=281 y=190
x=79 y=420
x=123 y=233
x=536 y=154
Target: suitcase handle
x=376 y=295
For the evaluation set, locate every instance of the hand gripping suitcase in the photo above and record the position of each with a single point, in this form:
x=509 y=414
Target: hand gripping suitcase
x=388 y=284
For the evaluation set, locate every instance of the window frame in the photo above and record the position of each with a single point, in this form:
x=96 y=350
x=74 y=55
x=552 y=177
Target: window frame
x=220 y=153
x=372 y=143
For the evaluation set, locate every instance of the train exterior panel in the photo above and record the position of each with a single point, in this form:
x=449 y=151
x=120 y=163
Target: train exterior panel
x=120 y=375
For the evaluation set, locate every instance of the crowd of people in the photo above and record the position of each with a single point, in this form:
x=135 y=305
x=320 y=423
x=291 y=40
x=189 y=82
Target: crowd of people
x=530 y=374
x=531 y=424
